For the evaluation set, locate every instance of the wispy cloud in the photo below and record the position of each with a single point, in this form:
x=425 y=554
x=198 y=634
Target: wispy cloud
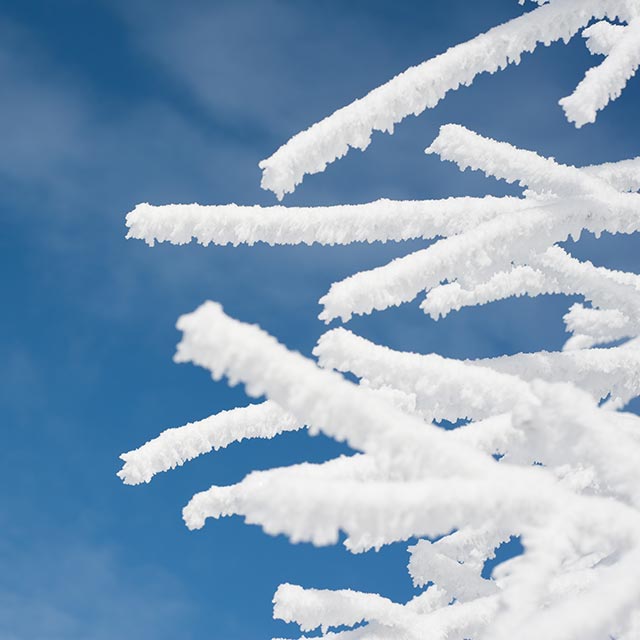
x=236 y=59
x=68 y=589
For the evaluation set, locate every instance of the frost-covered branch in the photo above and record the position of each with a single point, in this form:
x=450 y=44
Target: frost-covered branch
x=553 y=272
x=536 y=446
x=504 y=161
x=174 y=447
x=445 y=389
x=586 y=202
x=605 y=82
x=378 y=221
x=601 y=372
x=452 y=389
x=423 y=86
x=623 y=175
x=603 y=36
x=321 y=399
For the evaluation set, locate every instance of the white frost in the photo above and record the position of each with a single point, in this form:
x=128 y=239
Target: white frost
x=537 y=446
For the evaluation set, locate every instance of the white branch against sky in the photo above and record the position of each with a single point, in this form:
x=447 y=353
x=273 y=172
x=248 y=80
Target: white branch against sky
x=540 y=448
x=423 y=86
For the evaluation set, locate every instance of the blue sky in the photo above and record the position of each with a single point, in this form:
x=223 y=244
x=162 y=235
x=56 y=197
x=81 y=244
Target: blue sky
x=107 y=104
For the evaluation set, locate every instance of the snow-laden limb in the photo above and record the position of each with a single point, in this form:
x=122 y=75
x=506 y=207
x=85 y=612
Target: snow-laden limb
x=495 y=435
x=604 y=288
x=623 y=175
x=378 y=221
x=479 y=388
x=176 y=446
x=423 y=86
x=327 y=402
x=382 y=220
x=543 y=175
x=601 y=372
x=313 y=608
x=381 y=512
x=424 y=616
x=458 y=579
x=591 y=327
x=319 y=398
x=587 y=202
x=573 y=438
x=402 y=280
x=611 y=601
x=605 y=82
x=416 y=480
x=469 y=547
x=567 y=481
x=492 y=247
x=555 y=271
x=323 y=400
x=502 y=160
x=402 y=400
x=601 y=37
x=308 y=503
x=518 y=281
x=376 y=505
x=445 y=389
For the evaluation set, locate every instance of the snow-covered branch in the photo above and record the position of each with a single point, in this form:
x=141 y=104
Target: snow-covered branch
x=319 y=398
x=536 y=446
x=423 y=86
x=378 y=221
x=574 y=201
x=174 y=447
x=623 y=175
x=605 y=82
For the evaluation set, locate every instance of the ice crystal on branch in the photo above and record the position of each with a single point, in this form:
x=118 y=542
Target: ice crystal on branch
x=545 y=454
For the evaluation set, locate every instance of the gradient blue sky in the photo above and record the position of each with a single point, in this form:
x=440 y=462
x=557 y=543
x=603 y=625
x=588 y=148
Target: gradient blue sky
x=107 y=104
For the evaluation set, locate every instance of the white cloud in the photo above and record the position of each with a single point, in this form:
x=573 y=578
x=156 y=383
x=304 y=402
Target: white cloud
x=72 y=590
